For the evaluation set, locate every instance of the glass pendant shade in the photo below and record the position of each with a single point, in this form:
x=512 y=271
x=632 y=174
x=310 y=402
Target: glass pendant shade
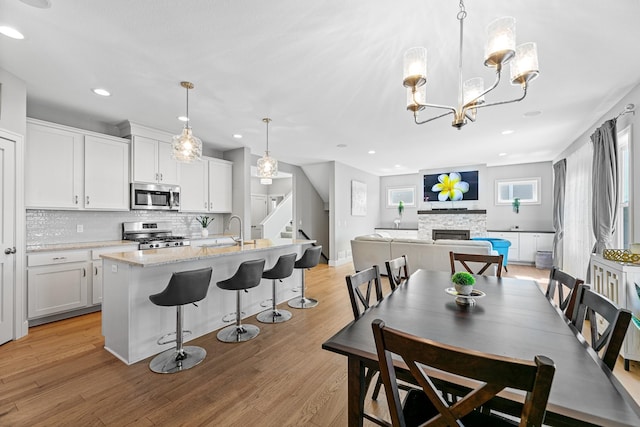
x=501 y=41
x=415 y=67
x=267 y=167
x=185 y=147
x=420 y=97
x=524 y=67
x=472 y=88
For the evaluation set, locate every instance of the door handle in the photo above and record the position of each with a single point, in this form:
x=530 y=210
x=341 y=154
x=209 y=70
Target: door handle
x=76 y=200
x=96 y=270
x=161 y=178
x=87 y=199
x=10 y=251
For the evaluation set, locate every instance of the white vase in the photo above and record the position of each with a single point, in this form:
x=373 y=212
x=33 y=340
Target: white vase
x=205 y=232
x=464 y=289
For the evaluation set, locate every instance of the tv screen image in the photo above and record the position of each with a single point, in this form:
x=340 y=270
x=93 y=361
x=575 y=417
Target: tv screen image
x=451 y=186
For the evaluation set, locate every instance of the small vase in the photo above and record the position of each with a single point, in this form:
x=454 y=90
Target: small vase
x=464 y=289
x=205 y=232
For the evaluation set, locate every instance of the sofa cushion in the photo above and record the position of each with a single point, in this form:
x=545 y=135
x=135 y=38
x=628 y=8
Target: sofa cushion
x=436 y=256
x=367 y=252
x=374 y=237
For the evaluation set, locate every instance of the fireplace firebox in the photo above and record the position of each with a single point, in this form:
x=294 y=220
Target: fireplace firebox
x=450 y=234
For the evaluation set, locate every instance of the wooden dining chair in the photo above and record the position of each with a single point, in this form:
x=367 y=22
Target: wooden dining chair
x=397 y=271
x=362 y=286
x=488 y=261
x=559 y=280
x=495 y=373
x=601 y=309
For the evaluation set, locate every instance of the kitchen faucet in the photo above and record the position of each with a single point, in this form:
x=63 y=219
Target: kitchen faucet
x=240 y=238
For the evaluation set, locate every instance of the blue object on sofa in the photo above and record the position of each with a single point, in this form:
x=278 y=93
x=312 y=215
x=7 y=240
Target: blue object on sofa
x=499 y=245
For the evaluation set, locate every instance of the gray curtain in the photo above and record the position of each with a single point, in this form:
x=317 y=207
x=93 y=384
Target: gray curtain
x=605 y=185
x=559 y=181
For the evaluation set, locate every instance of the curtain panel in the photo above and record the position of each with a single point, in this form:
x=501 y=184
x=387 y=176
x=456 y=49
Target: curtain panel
x=559 y=183
x=604 y=185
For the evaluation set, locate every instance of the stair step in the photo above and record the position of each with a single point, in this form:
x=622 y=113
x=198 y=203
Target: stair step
x=289 y=228
x=286 y=235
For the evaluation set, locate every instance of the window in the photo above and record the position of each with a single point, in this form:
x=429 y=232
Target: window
x=526 y=189
x=405 y=194
x=623 y=224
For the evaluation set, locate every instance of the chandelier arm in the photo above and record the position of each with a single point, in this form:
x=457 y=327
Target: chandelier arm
x=492 y=87
x=415 y=116
x=524 y=94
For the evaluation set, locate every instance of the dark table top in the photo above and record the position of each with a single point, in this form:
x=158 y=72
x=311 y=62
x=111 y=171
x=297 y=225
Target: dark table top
x=514 y=319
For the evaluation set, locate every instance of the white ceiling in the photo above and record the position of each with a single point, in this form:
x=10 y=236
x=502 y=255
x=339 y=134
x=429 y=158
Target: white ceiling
x=327 y=72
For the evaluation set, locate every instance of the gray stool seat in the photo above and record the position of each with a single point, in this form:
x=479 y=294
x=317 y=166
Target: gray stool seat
x=248 y=276
x=281 y=270
x=309 y=259
x=185 y=287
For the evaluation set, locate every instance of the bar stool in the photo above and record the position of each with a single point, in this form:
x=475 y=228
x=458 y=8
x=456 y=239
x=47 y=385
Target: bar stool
x=282 y=269
x=248 y=276
x=185 y=287
x=309 y=259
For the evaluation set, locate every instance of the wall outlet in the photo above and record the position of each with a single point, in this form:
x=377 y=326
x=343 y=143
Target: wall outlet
x=114 y=268
x=80 y=228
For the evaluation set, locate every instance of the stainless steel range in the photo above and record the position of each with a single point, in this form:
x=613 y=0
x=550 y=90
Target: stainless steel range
x=152 y=235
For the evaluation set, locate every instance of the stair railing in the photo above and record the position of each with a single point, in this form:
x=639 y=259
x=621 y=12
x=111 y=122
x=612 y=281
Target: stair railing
x=314 y=244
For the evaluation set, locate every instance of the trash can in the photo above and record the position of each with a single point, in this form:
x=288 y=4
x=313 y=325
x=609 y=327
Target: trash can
x=544 y=260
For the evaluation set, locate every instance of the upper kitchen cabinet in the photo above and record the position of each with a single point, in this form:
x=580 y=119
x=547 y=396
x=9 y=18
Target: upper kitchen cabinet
x=205 y=186
x=67 y=168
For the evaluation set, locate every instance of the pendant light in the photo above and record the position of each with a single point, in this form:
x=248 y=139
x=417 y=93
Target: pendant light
x=267 y=166
x=186 y=148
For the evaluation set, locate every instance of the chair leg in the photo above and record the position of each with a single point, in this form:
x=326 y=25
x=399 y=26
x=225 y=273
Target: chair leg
x=179 y=358
x=302 y=301
x=238 y=332
x=274 y=315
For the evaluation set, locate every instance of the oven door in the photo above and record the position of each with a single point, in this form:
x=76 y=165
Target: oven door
x=155 y=197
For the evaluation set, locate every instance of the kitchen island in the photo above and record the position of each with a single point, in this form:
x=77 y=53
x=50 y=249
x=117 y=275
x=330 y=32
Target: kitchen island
x=131 y=324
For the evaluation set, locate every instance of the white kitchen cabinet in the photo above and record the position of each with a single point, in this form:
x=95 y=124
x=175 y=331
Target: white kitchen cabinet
x=152 y=161
x=96 y=269
x=53 y=167
x=67 y=168
x=531 y=243
x=106 y=174
x=206 y=186
x=513 y=237
x=617 y=281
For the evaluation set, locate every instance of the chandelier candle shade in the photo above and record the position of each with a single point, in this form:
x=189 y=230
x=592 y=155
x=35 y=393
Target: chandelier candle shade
x=267 y=166
x=500 y=49
x=185 y=147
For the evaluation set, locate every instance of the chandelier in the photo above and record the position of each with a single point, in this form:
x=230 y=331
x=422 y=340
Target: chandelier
x=267 y=166
x=500 y=49
x=185 y=147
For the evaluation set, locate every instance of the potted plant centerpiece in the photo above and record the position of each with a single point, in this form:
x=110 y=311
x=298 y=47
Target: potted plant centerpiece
x=204 y=222
x=463 y=282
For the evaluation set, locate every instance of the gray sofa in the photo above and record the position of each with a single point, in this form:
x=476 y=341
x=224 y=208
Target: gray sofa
x=374 y=249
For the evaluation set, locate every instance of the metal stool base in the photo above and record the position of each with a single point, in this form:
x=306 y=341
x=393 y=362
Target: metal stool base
x=236 y=333
x=302 y=302
x=274 y=316
x=166 y=363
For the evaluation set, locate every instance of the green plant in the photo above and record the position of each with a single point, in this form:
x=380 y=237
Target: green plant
x=204 y=220
x=463 y=278
x=400 y=207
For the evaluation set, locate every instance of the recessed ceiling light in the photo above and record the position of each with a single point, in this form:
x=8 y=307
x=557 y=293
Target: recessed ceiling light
x=11 y=32
x=507 y=131
x=502 y=154
x=397 y=166
x=532 y=113
x=372 y=151
x=237 y=136
x=101 y=92
x=341 y=145
x=183 y=118
x=40 y=4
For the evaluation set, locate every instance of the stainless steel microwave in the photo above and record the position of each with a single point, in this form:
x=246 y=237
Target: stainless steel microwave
x=155 y=197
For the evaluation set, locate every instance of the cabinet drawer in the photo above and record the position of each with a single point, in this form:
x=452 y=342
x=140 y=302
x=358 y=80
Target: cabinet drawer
x=52 y=258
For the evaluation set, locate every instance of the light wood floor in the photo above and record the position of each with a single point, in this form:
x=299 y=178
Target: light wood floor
x=60 y=374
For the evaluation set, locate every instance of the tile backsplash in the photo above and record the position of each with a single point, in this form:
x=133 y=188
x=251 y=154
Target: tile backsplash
x=56 y=227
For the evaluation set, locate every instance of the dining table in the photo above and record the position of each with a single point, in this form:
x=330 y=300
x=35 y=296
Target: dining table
x=511 y=318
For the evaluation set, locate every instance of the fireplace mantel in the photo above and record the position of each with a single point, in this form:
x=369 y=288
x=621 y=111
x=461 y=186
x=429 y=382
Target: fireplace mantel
x=452 y=211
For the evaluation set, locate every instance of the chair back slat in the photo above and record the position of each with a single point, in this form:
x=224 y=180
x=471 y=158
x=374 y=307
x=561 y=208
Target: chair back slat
x=559 y=280
x=493 y=372
x=486 y=261
x=397 y=271
x=369 y=281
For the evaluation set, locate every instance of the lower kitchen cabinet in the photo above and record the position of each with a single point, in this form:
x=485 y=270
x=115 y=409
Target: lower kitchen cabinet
x=524 y=244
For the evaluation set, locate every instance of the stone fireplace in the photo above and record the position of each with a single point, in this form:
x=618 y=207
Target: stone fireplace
x=472 y=221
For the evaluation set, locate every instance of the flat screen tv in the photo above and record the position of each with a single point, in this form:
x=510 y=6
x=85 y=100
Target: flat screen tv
x=451 y=186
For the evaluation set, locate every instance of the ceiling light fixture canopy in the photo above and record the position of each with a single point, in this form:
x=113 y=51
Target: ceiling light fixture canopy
x=267 y=166
x=185 y=147
x=500 y=49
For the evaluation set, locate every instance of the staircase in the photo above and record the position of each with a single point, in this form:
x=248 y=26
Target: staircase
x=288 y=232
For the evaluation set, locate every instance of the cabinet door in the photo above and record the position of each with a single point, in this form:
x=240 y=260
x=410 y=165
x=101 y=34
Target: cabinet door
x=53 y=168
x=528 y=247
x=194 y=186
x=145 y=159
x=96 y=282
x=56 y=289
x=544 y=242
x=167 y=166
x=220 y=185
x=106 y=175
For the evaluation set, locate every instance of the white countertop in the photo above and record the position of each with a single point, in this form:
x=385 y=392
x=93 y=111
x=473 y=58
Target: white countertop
x=78 y=246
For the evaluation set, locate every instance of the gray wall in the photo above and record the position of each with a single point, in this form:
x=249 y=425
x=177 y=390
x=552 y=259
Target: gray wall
x=13 y=103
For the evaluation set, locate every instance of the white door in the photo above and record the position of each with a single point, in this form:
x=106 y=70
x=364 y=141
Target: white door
x=258 y=213
x=7 y=237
